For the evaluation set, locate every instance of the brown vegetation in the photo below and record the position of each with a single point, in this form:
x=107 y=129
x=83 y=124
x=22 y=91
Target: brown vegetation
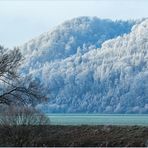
x=14 y=116
x=94 y=136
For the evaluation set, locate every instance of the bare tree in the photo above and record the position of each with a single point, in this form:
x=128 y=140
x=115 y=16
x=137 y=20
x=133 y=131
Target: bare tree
x=13 y=88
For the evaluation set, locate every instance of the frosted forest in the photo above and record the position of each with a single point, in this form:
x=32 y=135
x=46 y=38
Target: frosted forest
x=90 y=65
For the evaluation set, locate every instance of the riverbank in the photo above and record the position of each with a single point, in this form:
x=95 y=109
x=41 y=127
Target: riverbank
x=67 y=136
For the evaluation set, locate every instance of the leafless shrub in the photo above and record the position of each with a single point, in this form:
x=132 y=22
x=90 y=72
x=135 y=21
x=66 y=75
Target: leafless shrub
x=21 y=126
x=14 y=116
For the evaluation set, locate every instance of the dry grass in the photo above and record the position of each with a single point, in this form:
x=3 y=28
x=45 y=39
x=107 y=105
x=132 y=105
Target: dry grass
x=48 y=135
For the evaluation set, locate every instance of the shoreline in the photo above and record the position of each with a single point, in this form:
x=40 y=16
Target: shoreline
x=98 y=119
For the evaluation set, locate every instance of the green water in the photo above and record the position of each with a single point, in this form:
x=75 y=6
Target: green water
x=98 y=119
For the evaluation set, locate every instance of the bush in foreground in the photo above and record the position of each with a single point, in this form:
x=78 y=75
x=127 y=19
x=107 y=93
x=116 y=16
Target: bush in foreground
x=13 y=116
x=17 y=126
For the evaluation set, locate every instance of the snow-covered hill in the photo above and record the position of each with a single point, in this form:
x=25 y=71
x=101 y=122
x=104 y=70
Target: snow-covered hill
x=76 y=35
x=92 y=65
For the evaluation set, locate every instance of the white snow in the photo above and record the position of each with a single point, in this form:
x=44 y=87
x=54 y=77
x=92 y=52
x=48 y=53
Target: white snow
x=92 y=65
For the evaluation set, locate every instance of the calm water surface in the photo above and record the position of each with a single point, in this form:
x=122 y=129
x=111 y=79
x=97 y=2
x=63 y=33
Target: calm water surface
x=98 y=119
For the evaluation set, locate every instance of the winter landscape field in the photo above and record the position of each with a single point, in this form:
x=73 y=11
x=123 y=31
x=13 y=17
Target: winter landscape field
x=68 y=67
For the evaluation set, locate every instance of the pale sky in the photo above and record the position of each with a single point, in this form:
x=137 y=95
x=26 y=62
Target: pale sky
x=22 y=20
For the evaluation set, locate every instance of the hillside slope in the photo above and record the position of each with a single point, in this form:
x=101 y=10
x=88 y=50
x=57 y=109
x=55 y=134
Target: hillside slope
x=109 y=77
x=77 y=35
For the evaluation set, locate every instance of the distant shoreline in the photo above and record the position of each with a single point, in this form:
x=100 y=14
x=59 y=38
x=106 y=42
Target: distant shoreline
x=99 y=119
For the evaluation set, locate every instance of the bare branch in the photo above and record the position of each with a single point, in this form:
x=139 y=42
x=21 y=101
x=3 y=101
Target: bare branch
x=15 y=90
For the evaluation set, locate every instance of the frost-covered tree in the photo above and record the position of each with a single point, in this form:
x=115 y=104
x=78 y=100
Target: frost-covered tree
x=92 y=65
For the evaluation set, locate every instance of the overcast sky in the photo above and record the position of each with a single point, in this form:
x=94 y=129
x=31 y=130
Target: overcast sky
x=22 y=20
